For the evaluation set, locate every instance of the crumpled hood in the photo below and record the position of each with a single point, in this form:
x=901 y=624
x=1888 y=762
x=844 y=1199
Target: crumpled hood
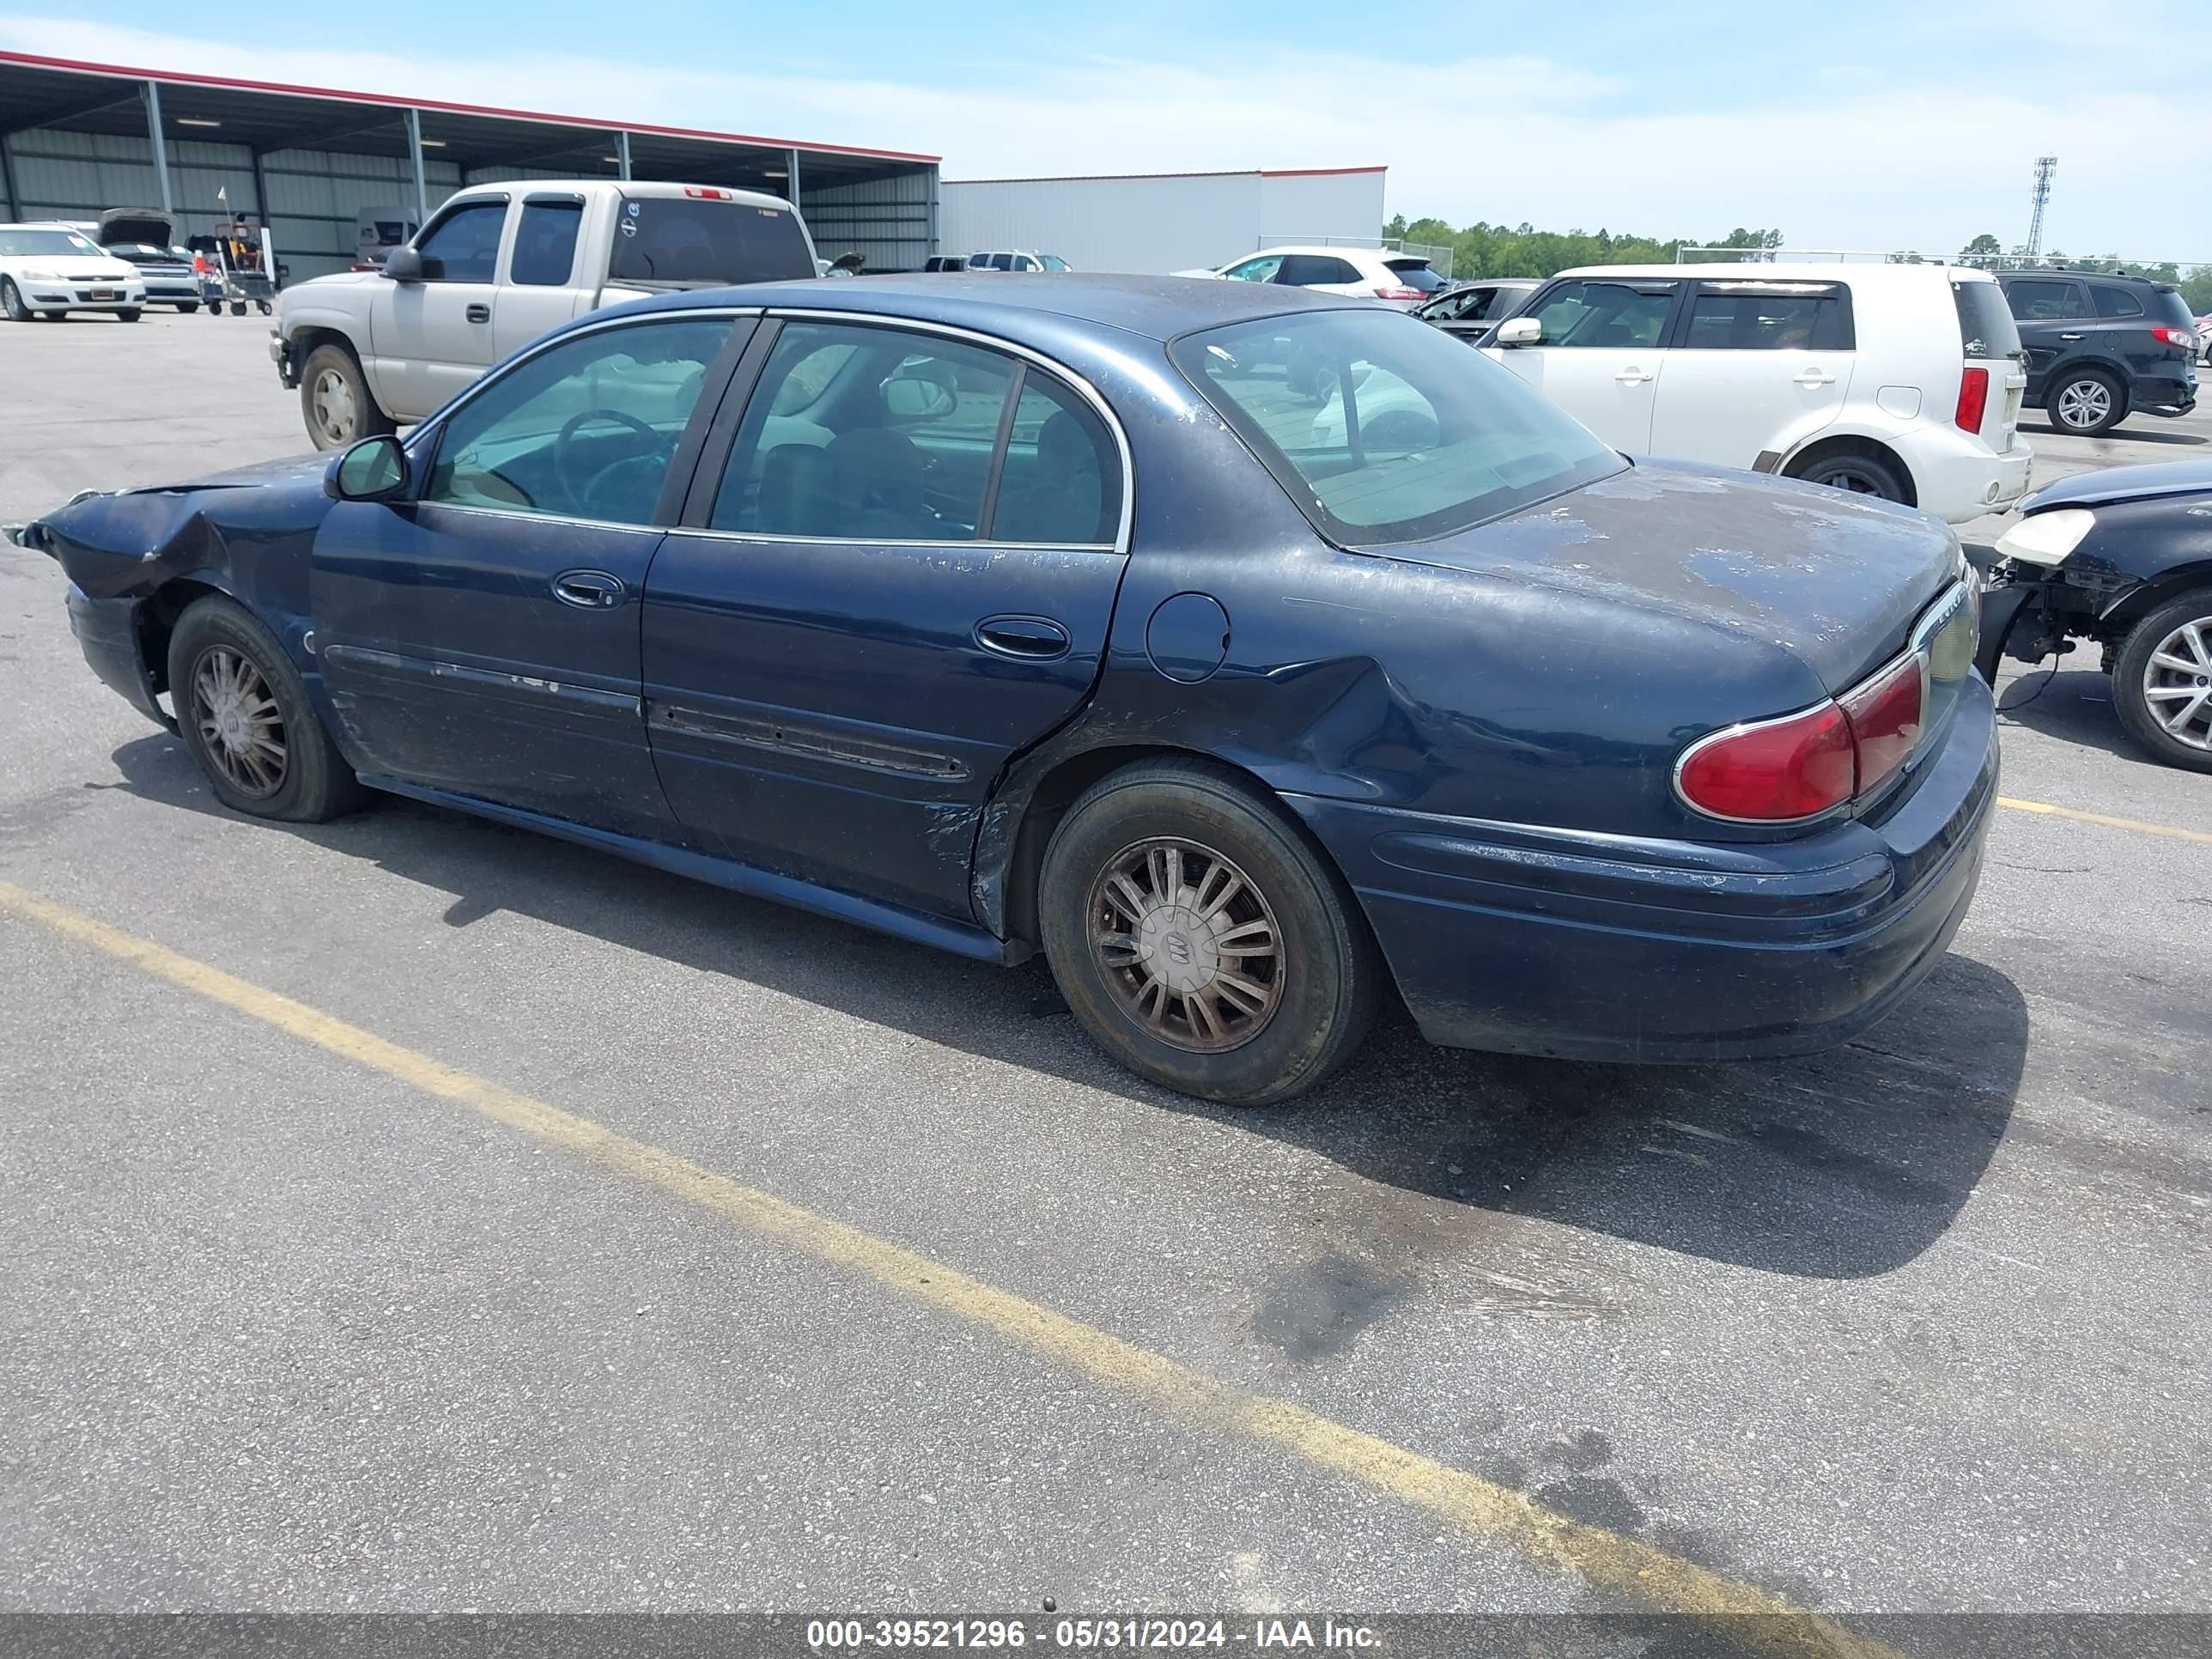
x=2124 y=483
x=1831 y=579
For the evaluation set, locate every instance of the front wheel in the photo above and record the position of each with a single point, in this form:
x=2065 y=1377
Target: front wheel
x=11 y=302
x=2084 y=404
x=1861 y=474
x=2162 y=682
x=334 y=396
x=128 y=314
x=187 y=310
x=1199 y=938
x=244 y=713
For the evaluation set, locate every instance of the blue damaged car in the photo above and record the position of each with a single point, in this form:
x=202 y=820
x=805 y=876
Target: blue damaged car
x=1045 y=617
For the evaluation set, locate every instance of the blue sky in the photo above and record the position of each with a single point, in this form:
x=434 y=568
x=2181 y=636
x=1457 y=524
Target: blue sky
x=1884 y=125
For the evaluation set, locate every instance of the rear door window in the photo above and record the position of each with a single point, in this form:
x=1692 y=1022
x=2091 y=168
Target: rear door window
x=463 y=246
x=2116 y=302
x=546 y=244
x=1316 y=271
x=1769 y=317
x=703 y=242
x=1605 y=316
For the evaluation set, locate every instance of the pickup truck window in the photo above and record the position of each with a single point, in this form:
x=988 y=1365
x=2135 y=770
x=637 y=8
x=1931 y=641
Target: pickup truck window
x=463 y=245
x=546 y=244
x=584 y=430
x=687 y=242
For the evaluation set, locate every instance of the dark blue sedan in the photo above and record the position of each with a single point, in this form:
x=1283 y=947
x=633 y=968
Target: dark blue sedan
x=1044 y=616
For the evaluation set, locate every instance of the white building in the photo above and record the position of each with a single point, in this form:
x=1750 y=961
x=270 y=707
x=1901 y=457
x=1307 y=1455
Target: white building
x=1151 y=224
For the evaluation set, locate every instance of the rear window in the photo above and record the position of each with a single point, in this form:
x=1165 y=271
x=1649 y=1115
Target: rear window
x=2168 y=306
x=1986 y=325
x=1420 y=437
x=1415 y=273
x=1770 y=317
x=697 y=243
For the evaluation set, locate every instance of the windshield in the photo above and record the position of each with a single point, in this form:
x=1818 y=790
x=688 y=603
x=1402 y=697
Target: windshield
x=699 y=243
x=16 y=243
x=1414 y=436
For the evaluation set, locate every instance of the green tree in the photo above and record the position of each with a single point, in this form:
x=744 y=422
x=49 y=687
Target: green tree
x=1984 y=246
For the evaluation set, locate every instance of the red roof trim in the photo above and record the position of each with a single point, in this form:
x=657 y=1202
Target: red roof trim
x=179 y=77
x=1222 y=173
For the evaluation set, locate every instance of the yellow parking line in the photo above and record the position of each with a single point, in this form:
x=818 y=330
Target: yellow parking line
x=1610 y=1561
x=2172 y=832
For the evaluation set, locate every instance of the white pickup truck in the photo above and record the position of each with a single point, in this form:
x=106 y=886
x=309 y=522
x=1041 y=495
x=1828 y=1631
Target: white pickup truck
x=497 y=266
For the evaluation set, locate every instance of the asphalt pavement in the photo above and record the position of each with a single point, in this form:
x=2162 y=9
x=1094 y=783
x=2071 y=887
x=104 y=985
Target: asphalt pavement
x=453 y=1218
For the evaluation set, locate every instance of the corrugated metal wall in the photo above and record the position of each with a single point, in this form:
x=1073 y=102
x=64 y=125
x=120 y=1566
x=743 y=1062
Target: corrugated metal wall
x=1158 y=223
x=316 y=197
x=891 y=221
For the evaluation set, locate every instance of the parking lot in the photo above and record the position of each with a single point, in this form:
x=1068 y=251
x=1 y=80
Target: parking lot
x=411 y=1213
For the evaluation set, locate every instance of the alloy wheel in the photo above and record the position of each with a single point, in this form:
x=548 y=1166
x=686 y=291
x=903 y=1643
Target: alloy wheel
x=2177 y=684
x=1187 y=944
x=239 y=724
x=333 y=403
x=2084 y=403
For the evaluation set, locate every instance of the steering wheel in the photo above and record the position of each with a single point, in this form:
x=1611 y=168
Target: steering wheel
x=580 y=498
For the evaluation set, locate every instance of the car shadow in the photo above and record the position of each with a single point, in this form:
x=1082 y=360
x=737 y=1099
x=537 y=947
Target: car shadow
x=2072 y=703
x=2130 y=432
x=1837 y=1165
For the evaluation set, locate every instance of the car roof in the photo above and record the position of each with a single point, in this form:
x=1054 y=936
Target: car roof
x=1156 y=308
x=2158 y=282
x=640 y=189
x=1760 y=270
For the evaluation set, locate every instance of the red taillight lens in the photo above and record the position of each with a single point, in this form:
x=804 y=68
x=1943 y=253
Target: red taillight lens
x=708 y=193
x=1973 y=399
x=1773 y=772
x=2174 y=337
x=1399 y=293
x=1885 y=716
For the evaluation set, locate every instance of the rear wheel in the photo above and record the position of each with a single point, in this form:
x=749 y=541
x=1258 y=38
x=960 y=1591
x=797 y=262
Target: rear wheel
x=187 y=310
x=11 y=302
x=1200 y=940
x=2162 y=682
x=2085 y=404
x=244 y=713
x=1861 y=474
x=334 y=396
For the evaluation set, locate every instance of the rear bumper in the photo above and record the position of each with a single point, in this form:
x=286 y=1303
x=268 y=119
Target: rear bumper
x=1586 y=947
x=107 y=633
x=1957 y=477
x=2172 y=394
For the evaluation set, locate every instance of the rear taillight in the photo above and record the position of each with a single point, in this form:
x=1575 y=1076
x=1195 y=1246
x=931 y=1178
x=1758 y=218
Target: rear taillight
x=1783 y=771
x=1973 y=399
x=2174 y=337
x=708 y=193
x=1774 y=772
x=1885 y=716
x=1399 y=293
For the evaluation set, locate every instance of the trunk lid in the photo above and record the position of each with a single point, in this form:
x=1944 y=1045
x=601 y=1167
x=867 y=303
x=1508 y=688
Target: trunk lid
x=1834 y=580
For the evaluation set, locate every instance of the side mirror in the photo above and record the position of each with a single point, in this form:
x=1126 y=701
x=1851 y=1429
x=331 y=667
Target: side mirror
x=403 y=264
x=1518 y=331
x=374 y=470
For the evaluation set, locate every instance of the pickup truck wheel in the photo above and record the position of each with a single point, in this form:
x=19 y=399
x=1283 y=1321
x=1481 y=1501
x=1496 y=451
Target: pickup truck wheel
x=244 y=713
x=2084 y=404
x=2162 y=682
x=1201 y=940
x=334 y=396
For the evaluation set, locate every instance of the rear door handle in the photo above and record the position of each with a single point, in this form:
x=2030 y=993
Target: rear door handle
x=1809 y=377
x=1633 y=376
x=1035 y=639
x=479 y=312
x=2070 y=336
x=587 y=589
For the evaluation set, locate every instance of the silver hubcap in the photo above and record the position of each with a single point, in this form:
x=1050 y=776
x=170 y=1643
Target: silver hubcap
x=333 y=402
x=2177 y=684
x=239 y=724
x=1188 y=945
x=2085 y=403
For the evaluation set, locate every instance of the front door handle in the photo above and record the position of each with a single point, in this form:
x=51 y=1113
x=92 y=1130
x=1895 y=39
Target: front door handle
x=587 y=589
x=479 y=312
x=2070 y=336
x=1633 y=376
x=1034 y=639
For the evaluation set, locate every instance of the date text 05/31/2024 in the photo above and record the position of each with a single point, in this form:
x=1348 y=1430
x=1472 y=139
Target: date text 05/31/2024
x=835 y=1635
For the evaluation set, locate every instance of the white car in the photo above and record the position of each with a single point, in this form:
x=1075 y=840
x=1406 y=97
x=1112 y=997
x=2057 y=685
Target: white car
x=1016 y=260
x=1403 y=280
x=1897 y=381
x=50 y=270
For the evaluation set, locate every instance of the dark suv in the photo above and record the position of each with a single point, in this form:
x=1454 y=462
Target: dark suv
x=2100 y=348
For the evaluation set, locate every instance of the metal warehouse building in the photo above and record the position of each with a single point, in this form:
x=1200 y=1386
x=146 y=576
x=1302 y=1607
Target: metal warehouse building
x=78 y=138
x=1162 y=221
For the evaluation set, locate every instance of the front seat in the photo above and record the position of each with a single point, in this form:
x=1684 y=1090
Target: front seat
x=879 y=481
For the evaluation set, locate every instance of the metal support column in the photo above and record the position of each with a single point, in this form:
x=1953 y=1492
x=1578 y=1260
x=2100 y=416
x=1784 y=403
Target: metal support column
x=153 y=95
x=621 y=154
x=791 y=184
x=8 y=182
x=415 y=149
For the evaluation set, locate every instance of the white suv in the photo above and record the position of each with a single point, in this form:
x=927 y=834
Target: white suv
x=1403 y=280
x=1902 y=381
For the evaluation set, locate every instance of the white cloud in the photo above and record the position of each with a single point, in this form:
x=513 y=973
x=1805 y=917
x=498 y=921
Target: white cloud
x=1853 y=161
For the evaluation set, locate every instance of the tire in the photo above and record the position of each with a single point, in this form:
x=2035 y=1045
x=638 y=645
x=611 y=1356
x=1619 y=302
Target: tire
x=238 y=308
x=335 y=399
x=2085 y=403
x=11 y=302
x=2142 y=670
x=1858 y=473
x=183 y=310
x=128 y=314
x=264 y=306
x=1322 y=981
x=218 y=645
